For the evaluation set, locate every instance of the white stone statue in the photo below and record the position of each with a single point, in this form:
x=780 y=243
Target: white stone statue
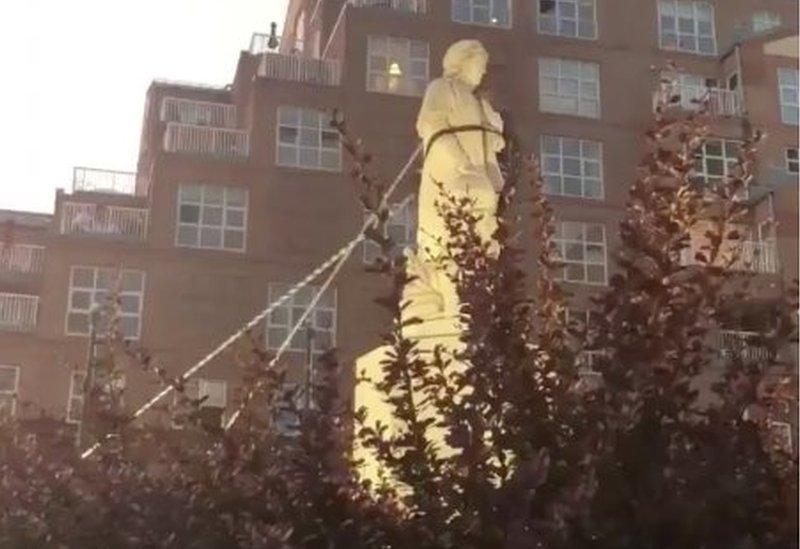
x=461 y=135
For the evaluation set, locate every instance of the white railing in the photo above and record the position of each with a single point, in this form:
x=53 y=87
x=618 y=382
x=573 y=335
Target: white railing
x=743 y=344
x=198 y=113
x=104 y=220
x=721 y=102
x=413 y=6
x=757 y=257
x=18 y=312
x=278 y=66
x=263 y=43
x=202 y=140
x=103 y=181
x=21 y=258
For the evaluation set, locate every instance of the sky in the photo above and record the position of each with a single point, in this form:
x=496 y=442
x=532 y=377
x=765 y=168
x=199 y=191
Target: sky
x=76 y=73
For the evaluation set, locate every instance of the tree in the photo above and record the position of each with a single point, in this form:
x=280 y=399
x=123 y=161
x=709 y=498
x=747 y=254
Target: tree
x=541 y=455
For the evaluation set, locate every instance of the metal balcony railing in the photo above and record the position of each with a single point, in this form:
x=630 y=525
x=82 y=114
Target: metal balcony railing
x=206 y=141
x=757 y=257
x=279 y=66
x=104 y=221
x=103 y=181
x=743 y=344
x=18 y=312
x=413 y=6
x=721 y=102
x=263 y=43
x=198 y=113
x=21 y=258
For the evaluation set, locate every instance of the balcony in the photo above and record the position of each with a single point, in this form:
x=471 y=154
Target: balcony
x=100 y=220
x=411 y=6
x=294 y=68
x=198 y=113
x=219 y=143
x=103 y=181
x=756 y=257
x=743 y=344
x=721 y=102
x=18 y=312
x=21 y=259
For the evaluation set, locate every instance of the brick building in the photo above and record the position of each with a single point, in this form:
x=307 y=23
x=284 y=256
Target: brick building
x=242 y=190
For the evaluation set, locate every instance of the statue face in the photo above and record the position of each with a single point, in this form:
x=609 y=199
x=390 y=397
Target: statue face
x=473 y=70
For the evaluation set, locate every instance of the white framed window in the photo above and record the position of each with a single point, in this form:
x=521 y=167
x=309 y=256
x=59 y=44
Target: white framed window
x=307 y=140
x=572 y=167
x=400 y=227
x=582 y=249
x=792 y=160
x=570 y=18
x=397 y=65
x=569 y=87
x=491 y=13
x=765 y=20
x=716 y=160
x=75 y=399
x=9 y=388
x=212 y=394
x=789 y=96
x=211 y=217
x=687 y=26
x=93 y=286
x=321 y=320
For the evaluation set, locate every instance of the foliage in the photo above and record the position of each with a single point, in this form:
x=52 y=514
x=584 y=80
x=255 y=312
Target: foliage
x=539 y=453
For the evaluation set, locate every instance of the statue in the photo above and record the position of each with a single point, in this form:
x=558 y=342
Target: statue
x=461 y=135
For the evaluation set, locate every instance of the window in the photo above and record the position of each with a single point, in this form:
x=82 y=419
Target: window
x=765 y=20
x=9 y=385
x=569 y=87
x=322 y=320
x=571 y=18
x=572 y=167
x=716 y=160
x=687 y=26
x=401 y=228
x=582 y=248
x=212 y=216
x=495 y=13
x=789 y=100
x=397 y=65
x=792 y=161
x=307 y=140
x=76 y=394
x=92 y=286
x=212 y=394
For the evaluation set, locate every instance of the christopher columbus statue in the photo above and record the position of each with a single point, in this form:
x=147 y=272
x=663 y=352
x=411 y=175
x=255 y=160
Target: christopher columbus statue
x=461 y=135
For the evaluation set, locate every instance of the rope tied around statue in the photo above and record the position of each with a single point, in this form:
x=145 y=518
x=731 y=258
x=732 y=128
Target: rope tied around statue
x=460 y=129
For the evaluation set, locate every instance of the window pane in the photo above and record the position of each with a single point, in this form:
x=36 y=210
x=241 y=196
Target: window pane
x=234 y=239
x=189 y=213
x=210 y=237
x=187 y=235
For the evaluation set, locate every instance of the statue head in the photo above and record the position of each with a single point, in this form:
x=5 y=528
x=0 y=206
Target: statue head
x=466 y=61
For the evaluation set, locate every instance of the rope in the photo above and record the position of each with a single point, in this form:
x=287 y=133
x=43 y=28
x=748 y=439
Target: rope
x=322 y=289
x=337 y=260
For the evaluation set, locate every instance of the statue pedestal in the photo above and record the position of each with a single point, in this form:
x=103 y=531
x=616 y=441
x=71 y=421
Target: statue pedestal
x=443 y=332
